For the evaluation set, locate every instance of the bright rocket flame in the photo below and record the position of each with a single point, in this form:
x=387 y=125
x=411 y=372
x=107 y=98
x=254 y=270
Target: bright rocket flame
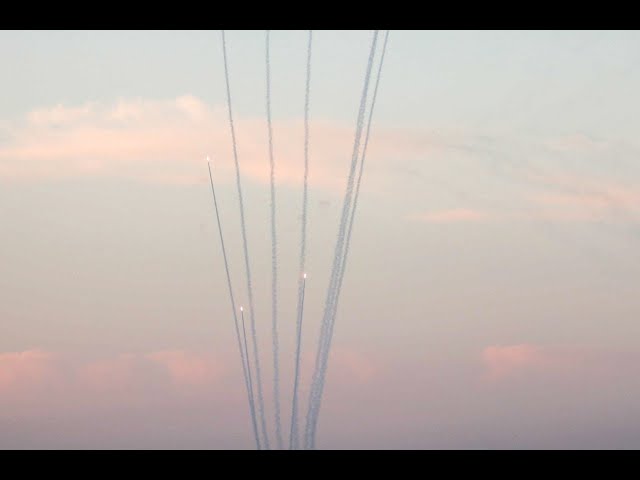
x=241 y=309
x=305 y=276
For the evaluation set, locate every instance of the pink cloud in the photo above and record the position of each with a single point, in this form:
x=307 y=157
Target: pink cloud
x=504 y=361
x=347 y=366
x=595 y=204
x=27 y=368
x=108 y=374
x=451 y=216
x=188 y=368
x=563 y=198
x=583 y=198
x=353 y=366
x=374 y=399
x=61 y=374
x=526 y=360
x=167 y=140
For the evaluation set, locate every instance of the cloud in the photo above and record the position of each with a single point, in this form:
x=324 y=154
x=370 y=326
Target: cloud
x=577 y=142
x=64 y=400
x=186 y=368
x=167 y=141
x=380 y=398
x=59 y=115
x=504 y=362
x=561 y=198
x=455 y=215
x=582 y=198
x=108 y=374
x=170 y=370
x=26 y=368
x=353 y=366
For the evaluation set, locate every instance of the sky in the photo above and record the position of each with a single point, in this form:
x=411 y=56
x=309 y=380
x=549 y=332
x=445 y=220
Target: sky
x=490 y=295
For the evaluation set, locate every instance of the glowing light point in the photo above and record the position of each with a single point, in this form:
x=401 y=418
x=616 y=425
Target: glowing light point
x=241 y=308
x=304 y=276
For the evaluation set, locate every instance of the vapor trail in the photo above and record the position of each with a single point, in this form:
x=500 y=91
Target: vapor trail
x=243 y=357
x=250 y=383
x=274 y=262
x=293 y=436
x=334 y=305
x=322 y=352
x=359 y=181
x=246 y=251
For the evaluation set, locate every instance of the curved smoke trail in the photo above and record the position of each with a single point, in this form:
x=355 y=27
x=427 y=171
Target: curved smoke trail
x=334 y=306
x=274 y=262
x=246 y=250
x=243 y=354
x=322 y=352
x=293 y=436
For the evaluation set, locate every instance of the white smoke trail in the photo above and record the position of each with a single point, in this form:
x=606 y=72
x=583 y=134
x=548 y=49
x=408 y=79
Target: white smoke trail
x=246 y=251
x=334 y=305
x=243 y=357
x=250 y=381
x=322 y=352
x=361 y=169
x=318 y=376
x=274 y=262
x=293 y=436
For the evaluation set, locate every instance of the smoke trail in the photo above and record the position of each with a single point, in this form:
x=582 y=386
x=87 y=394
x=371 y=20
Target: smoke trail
x=246 y=251
x=323 y=347
x=243 y=357
x=250 y=383
x=293 y=436
x=334 y=305
x=318 y=376
x=274 y=262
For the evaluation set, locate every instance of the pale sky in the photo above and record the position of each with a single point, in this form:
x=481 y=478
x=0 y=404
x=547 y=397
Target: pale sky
x=490 y=297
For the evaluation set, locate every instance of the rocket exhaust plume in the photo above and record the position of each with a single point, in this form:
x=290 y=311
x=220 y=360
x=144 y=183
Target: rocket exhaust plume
x=293 y=436
x=338 y=267
x=243 y=354
x=348 y=237
x=246 y=354
x=274 y=261
x=323 y=343
x=246 y=251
